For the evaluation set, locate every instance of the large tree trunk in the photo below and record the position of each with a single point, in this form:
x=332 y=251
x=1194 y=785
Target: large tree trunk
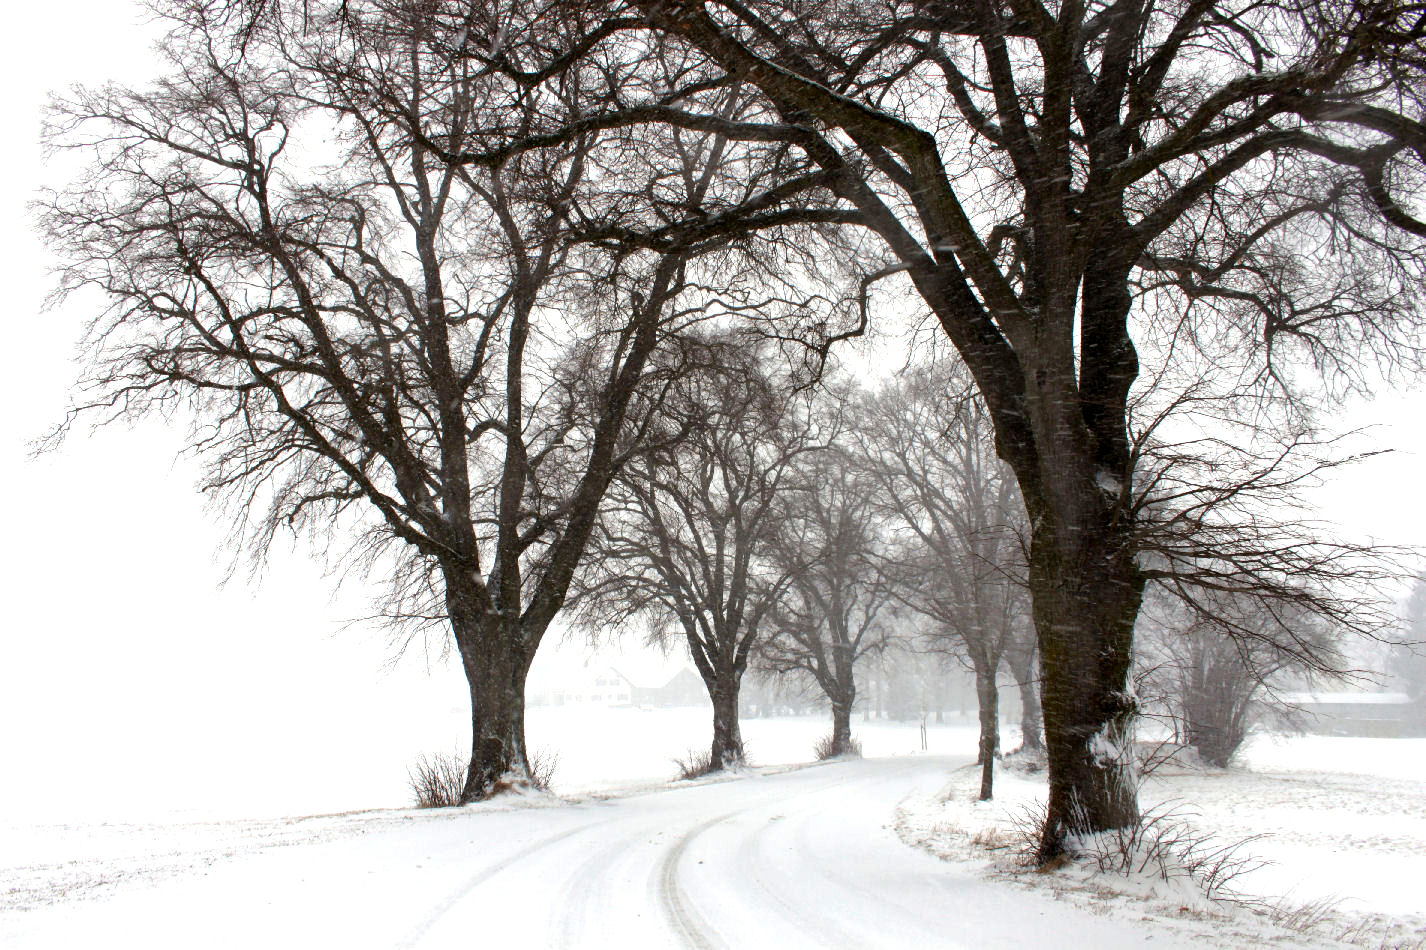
x=497 y=701
x=987 y=696
x=841 y=728
x=1084 y=617
x=1022 y=666
x=492 y=654
x=1085 y=584
x=727 y=748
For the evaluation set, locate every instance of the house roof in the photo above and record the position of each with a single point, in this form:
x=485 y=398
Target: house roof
x=1346 y=699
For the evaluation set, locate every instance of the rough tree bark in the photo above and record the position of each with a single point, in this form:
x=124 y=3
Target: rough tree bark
x=1085 y=610
x=726 y=749
x=842 y=721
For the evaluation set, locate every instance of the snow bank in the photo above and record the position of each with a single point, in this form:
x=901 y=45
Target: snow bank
x=1337 y=854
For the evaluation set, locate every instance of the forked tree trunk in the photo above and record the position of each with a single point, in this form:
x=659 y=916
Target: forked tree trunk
x=1085 y=585
x=987 y=696
x=1084 y=617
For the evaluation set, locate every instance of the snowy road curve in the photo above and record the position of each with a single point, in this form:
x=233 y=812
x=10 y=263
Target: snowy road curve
x=807 y=858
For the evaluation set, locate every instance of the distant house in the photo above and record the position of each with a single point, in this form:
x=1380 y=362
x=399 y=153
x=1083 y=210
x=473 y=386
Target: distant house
x=601 y=686
x=1384 y=715
x=607 y=686
x=684 y=688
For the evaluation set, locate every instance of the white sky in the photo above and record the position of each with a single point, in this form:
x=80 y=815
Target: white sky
x=130 y=682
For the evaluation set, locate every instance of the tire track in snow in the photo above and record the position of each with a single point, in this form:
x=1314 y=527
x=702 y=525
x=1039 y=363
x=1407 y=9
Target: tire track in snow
x=681 y=915
x=754 y=853
x=586 y=885
x=413 y=938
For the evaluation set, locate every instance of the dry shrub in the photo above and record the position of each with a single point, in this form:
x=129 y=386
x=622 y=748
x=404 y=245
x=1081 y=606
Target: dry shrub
x=1313 y=916
x=695 y=764
x=1162 y=844
x=1025 y=761
x=438 y=780
x=825 y=749
x=994 y=839
x=543 y=765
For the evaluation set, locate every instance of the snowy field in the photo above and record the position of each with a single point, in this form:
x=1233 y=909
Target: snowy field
x=1344 y=823
x=600 y=750
x=1330 y=834
x=67 y=845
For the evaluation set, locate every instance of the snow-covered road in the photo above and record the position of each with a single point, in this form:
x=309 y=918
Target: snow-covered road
x=805 y=858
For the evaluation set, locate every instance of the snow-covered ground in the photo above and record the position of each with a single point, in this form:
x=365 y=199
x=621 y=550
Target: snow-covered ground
x=801 y=858
x=784 y=856
x=1323 y=831
x=82 y=846
x=1342 y=819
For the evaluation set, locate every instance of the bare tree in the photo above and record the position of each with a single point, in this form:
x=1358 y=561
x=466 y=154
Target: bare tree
x=1216 y=178
x=1207 y=680
x=1244 y=587
x=1407 y=656
x=688 y=541
x=1244 y=172
x=366 y=334
x=926 y=445
x=836 y=611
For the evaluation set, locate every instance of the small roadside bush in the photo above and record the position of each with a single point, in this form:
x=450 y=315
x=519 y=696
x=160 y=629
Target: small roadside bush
x=438 y=780
x=826 y=749
x=542 y=768
x=1163 y=844
x=695 y=764
x=1025 y=761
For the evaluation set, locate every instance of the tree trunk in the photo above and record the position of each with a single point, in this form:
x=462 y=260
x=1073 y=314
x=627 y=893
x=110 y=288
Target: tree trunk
x=1085 y=607
x=727 y=749
x=841 y=728
x=1022 y=667
x=987 y=696
x=497 y=699
x=492 y=655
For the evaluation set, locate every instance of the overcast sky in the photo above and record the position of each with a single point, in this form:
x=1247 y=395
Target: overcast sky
x=129 y=680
